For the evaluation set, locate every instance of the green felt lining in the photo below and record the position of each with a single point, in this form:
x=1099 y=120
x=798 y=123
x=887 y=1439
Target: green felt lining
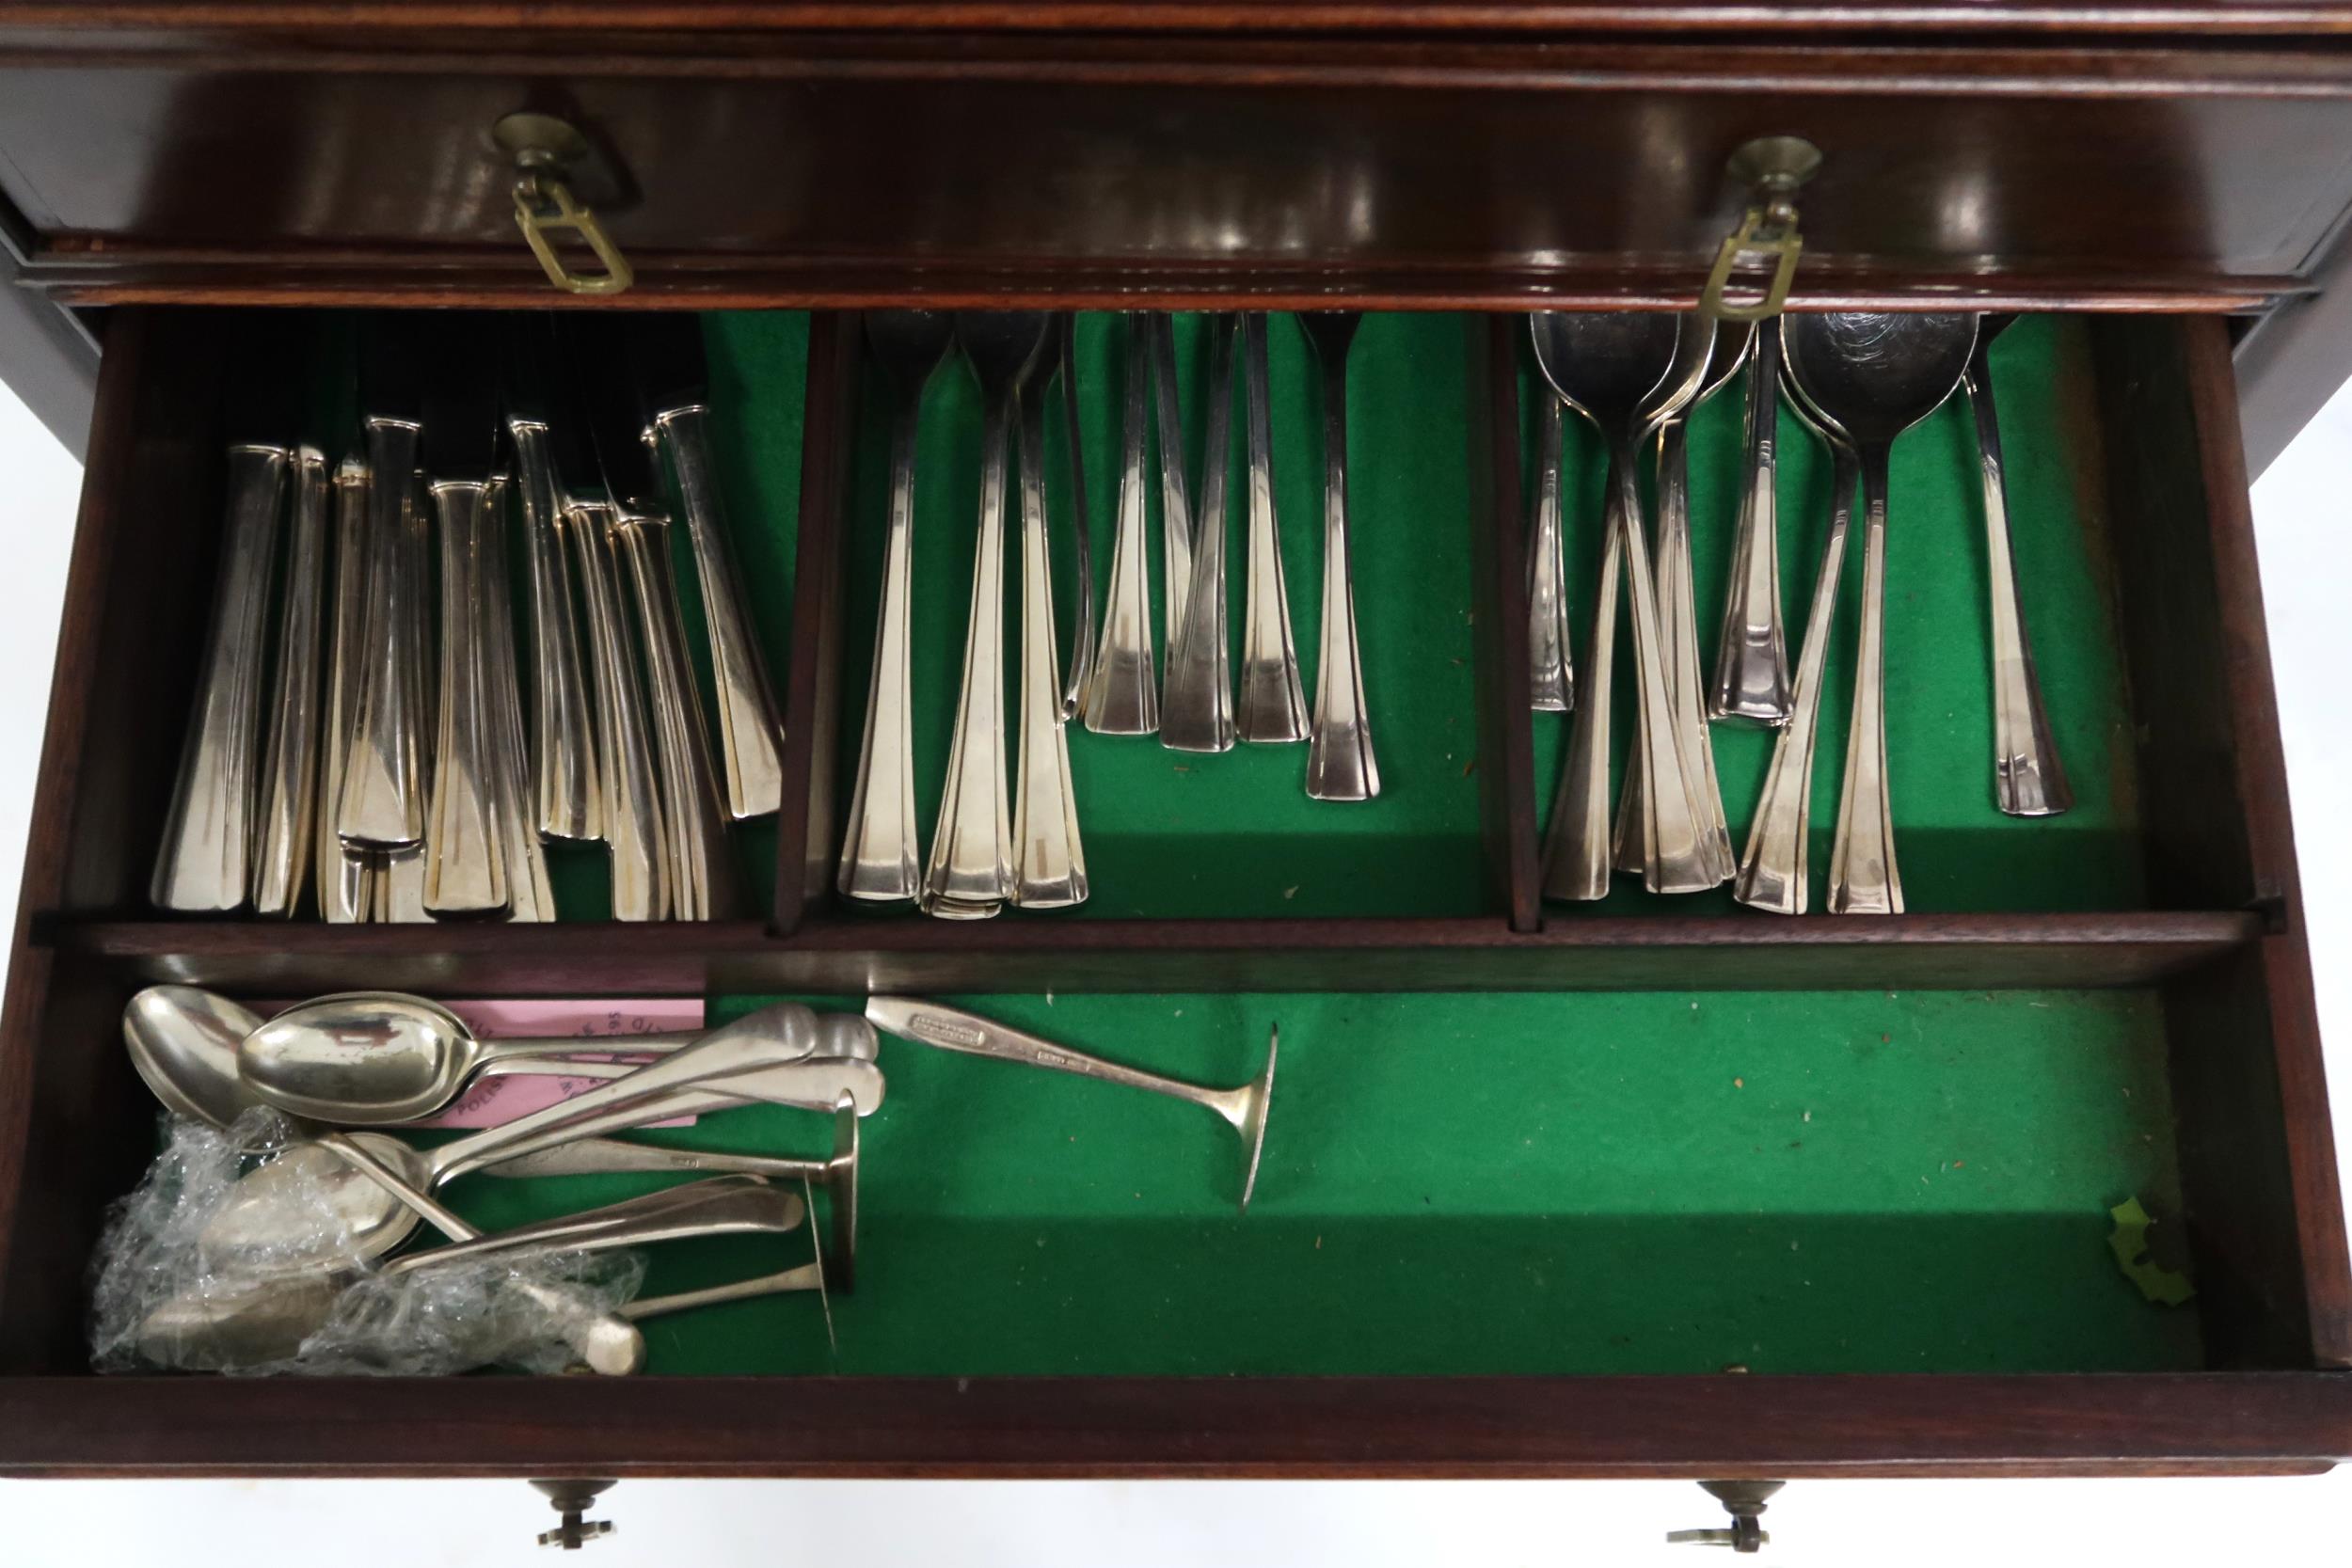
x=1842 y=1182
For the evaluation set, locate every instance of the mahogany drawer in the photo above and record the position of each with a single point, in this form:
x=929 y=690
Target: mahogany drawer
x=2204 y=962
x=767 y=155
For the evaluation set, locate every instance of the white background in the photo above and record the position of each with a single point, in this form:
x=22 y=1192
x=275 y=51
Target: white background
x=2305 y=534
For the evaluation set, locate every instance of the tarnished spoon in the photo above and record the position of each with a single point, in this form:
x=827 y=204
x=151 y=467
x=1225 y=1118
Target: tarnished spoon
x=1869 y=376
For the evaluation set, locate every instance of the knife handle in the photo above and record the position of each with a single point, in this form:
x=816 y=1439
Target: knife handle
x=750 y=734
x=382 y=803
x=282 y=838
x=201 y=867
x=568 y=803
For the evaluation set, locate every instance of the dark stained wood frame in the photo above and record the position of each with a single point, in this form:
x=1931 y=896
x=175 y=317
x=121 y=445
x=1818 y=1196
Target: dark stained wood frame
x=1701 y=1426
x=2169 y=53
x=137 y=22
x=2264 y=1213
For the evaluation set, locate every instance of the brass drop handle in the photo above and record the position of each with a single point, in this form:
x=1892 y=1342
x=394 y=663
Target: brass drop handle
x=1744 y=1501
x=573 y=1499
x=1773 y=168
x=545 y=149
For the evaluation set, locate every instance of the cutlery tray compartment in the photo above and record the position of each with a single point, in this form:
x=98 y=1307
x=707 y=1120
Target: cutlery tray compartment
x=1957 y=852
x=1529 y=1197
x=1173 y=834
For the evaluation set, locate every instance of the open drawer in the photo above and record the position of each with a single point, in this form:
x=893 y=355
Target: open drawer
x=1656 y=1186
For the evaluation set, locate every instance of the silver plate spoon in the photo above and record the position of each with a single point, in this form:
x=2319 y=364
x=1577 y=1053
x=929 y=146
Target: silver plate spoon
x=1610 y=368
x=183 y=1042
x=1869 y=376
x=1677 y=609
x=263 y=1218
x=373 y=1058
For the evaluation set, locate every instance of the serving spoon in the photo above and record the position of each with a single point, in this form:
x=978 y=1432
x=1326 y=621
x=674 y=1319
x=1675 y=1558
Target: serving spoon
x=1677 y=600
x=1610 y=368
x=1869 y=376
x=373 y=1058
x=269 y=1212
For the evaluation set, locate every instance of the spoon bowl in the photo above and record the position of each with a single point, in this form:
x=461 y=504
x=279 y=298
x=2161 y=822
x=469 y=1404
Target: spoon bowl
x=1867 y=377
x=1605 y=365
x=1871 y=375
x=373 y=1059
x=360 y=1057
x=183 y=1042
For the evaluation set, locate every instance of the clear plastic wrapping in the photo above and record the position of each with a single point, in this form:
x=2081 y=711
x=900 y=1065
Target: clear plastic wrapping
x=158 y=1302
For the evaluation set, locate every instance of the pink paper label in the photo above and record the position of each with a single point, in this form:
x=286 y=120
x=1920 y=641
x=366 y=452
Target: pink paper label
x=497 y=1098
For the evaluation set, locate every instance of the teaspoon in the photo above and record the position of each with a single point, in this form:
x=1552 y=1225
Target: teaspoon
x=1870 y=377
x=880 y=855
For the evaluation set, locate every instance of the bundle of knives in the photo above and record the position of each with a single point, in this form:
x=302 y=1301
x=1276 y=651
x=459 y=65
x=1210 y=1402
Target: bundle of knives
x=401 y=769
